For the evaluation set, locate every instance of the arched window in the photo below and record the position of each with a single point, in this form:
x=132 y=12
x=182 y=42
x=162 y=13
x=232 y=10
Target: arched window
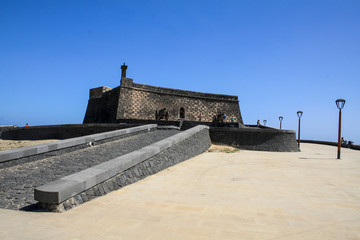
x=182 y=112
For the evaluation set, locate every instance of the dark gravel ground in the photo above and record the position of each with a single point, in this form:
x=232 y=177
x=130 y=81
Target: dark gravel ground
x=17 y=183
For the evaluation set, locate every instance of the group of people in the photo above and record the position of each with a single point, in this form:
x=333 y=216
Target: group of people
x=345 y=143
x=219 y=118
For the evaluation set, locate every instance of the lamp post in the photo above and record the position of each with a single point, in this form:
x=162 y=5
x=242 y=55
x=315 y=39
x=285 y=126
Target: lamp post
x=280 y=119
x=340 y=104
x=299 y=114
x=265 y=122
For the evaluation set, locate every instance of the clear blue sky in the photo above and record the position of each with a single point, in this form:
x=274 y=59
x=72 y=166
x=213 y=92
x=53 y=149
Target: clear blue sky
x=277 y=56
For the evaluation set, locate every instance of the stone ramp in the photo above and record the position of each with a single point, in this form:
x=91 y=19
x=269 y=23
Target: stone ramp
x=71 y=191
x=17 y=183
x=33 y=153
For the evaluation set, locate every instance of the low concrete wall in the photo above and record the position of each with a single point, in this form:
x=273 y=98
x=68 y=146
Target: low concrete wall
x=75 y=189
x=319 y=142
x=183 y=123
x=64 y=131
x=355 y=147
x=256 y=139
x=31 y=153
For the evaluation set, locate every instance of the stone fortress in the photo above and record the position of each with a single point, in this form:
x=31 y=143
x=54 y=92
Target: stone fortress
x=132 y=100
x=129 y=132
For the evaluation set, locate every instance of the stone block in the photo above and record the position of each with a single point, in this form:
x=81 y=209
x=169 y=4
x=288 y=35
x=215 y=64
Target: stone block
x=97 y=190
x=90 y=192
x=105 y=187
x=101 y=189
x=57 y=191
x=84 y=197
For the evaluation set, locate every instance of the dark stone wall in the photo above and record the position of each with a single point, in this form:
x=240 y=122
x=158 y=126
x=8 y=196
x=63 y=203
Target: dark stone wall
x=7 y=128
x=59 y=131
x=183 y=124
x=145 y=122
x=102 y=108
x=137 y=103
x=189 y=124
x=183 y=93
x=255 y=139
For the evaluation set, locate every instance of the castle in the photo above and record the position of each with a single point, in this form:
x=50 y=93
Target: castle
x=132 y=100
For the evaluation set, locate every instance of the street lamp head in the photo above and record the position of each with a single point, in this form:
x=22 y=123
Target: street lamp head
x=340 y=103
x=299 y=113
x=281 y=118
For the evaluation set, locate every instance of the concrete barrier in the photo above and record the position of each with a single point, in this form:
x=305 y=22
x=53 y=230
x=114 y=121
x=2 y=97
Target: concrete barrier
x=31 y=153
x=83 y=186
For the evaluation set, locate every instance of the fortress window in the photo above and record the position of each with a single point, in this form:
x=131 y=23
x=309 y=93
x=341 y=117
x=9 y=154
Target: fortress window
x=182 y=112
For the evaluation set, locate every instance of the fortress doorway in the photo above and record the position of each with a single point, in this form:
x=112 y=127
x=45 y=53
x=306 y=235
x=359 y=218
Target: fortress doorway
x=182 y=112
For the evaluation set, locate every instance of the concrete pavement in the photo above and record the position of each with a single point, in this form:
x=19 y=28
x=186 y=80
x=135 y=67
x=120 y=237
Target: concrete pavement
x=242 y=195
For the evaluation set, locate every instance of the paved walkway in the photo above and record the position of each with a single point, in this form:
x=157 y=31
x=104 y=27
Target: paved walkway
x=242 y=195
